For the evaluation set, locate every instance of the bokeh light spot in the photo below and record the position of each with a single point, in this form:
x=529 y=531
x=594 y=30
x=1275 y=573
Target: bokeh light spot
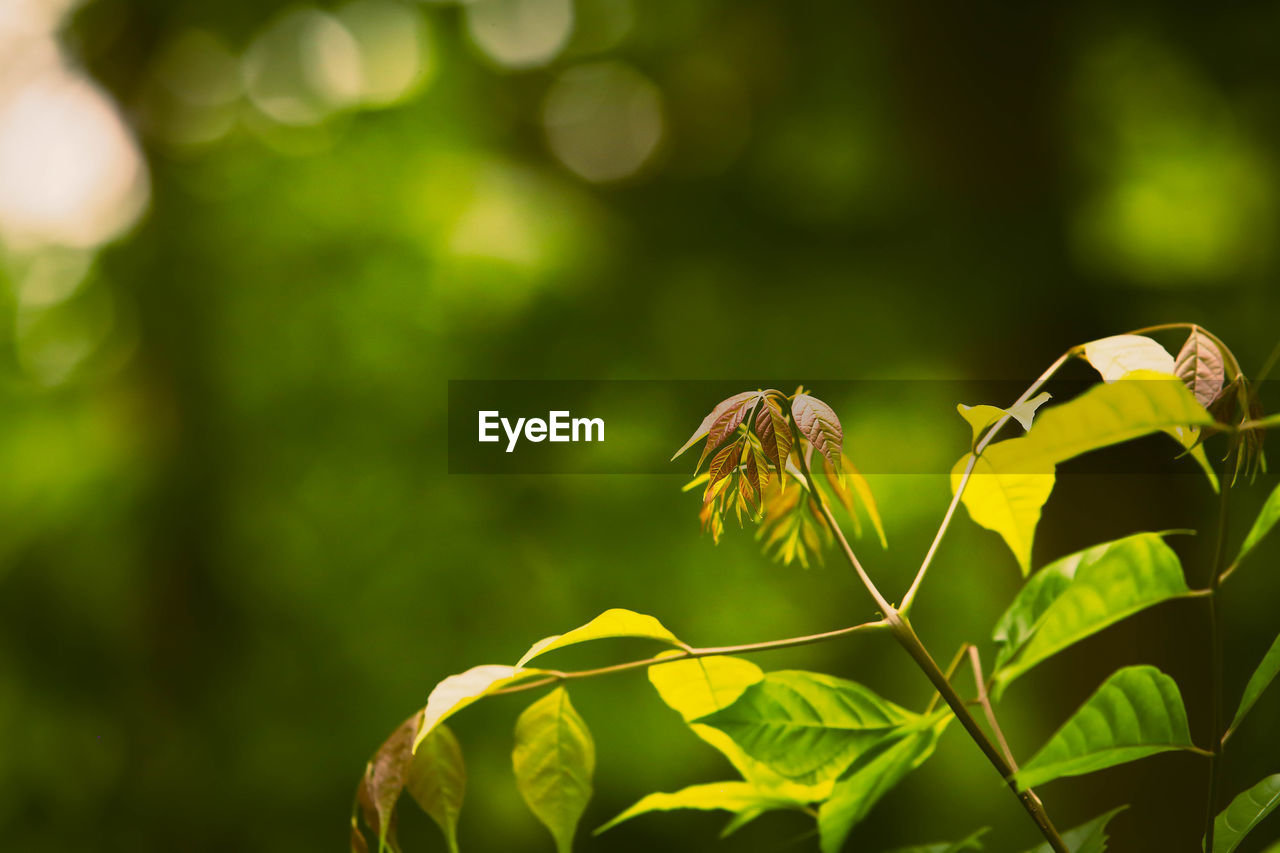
x=603 y=120
x=520 y=33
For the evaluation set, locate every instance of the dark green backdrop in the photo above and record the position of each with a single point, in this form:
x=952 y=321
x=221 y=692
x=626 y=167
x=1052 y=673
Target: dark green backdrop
x=231 y=560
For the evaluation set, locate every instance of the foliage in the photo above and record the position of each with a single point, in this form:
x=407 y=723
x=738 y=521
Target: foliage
x=831 y=748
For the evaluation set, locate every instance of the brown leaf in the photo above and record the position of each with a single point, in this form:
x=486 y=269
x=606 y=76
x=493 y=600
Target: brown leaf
x=1200 y=366
x=774 y=433
x=384 y=779
x=358 y=842
x=818 y=423
x=728 y=421
x=710 y=419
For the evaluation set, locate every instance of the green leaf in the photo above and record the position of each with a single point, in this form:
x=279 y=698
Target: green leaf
x=458 y=691
x=1019 y=621
x=1107 y=583
x=1005 y=500
x=1136 y=712
x=736 y=797
x=809 y=726
x=871 y=778
x=609 y=624
x=700 y=686
x=1115 y=356
x=554 y=759
x=818 y=423
x=1258 y=682
x=1090 y=837
x=982 y=416
x=1200 y=367
x=971 y=842
x=437 y=781
x=1245 y=812
x=1013 y=478
x=1262 y=525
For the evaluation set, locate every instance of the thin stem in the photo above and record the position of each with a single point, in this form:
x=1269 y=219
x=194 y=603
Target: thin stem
x=555 y=676
x=1215 y=663
x=910 y=597
x=985 y=701
x=950 y=671
x=910 y=641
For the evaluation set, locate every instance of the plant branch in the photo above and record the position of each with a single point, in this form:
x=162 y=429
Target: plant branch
x=910 y=641
x=910 y=597
x=689 y=653
x=985 y=701
x=1218 y=737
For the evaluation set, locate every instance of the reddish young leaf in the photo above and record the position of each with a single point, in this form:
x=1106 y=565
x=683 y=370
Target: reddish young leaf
x=703 y=429
x=774 y=433
x=727 y=423
x=818 y=423
x=1201 y=367
x=724 y=464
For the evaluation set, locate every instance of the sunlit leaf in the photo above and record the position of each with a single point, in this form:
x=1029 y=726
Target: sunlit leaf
x=1115 y=356
x=1005 y=497
x=809 y=726
x=1089 y=837
x=1200 y=366
x=1013 y=478
x=700 y=686
x=1258 y=682
x=1262 y=525
x=554 y=760
x=1136 y=712
x=736 y=797
x=701 y=432
x=437 y=781
x=1106 y=583
x=1245 y=812
x=970 y=842
x=870 y=779
x=609 y=624
x=458 y=691
x=852 y=489
x=981 y=417
x=818 y=423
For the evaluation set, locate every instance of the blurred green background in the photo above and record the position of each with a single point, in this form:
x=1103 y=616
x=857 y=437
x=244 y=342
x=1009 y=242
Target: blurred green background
x=243 y=245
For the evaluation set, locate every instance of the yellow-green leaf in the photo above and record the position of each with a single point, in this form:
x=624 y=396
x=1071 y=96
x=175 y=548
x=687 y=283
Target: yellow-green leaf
x=1006 y=496
x=970 y=842
x=616 y=622
x=554 y=760
x=1013 y=478
x=437 y=781
x=736 y=797
x=1136 y=712
x=458 y=691
x=1107 y=583
x=1262 y=525
x=872 y=778
x=1120 y=354
x=1258 y=682
x=700 y=686
x=1089 y=837
x=809 y=726
x=982 y=416
x=1245 y=812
